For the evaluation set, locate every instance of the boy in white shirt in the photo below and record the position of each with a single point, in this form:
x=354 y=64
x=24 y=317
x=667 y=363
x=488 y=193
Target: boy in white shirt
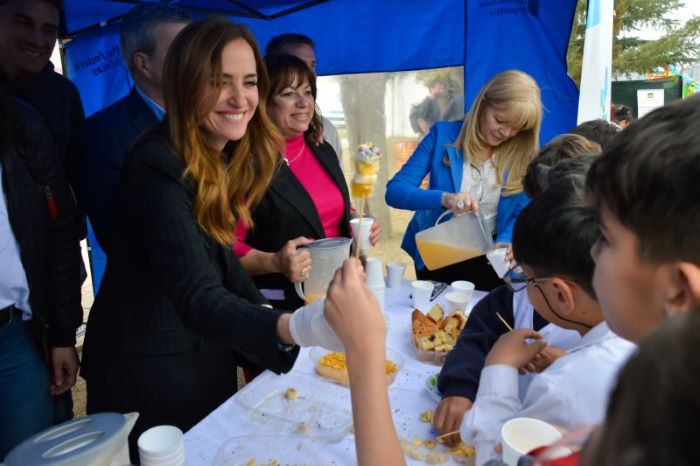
x=551 y=241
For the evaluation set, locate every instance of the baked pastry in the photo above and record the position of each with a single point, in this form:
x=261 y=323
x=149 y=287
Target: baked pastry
x=334 y=366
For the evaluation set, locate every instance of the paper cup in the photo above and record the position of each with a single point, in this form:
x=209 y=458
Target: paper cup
x=373 y=272
x=161 y=445
x=523 y=434
x=378 y=292
x=456 y=300
x=394 y=274
x=421 y=291
x=497 y=259
x=464 y=287
x=366 y=227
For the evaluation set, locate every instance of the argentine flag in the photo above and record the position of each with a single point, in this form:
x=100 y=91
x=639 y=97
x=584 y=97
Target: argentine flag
x=595 y=93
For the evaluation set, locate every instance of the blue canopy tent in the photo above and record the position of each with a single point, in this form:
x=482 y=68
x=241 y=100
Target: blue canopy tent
x=358 y=36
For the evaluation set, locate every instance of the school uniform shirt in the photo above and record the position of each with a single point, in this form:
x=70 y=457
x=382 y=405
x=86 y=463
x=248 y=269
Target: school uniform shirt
x=571 y=393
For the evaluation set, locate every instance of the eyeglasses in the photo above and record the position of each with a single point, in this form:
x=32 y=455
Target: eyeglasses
x=517 y=280
x=477 y=189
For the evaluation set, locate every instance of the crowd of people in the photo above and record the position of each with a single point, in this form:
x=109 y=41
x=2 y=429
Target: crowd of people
x=204 y=183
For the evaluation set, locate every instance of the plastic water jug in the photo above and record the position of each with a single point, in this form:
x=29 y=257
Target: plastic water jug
x=327 y=255
x=460 y=238
x=95 y=440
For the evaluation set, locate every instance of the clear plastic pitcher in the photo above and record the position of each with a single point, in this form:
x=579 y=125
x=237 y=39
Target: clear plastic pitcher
x=460 y=238
x=326 y=256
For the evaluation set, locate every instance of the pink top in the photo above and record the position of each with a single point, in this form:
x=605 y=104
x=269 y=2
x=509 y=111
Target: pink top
x=318 y=183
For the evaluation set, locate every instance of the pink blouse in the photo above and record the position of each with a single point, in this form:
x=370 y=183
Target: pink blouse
x=323 y=191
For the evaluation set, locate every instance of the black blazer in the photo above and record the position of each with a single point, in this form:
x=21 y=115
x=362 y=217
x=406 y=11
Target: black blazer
x=287 y=212
x=104 y=143
x=169 y=289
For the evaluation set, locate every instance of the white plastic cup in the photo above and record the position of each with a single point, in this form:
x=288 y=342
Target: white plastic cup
x=374 y=276
x=456 y=300
x=497 y=259
x=523 y=434
x=421 y=291
x=464 y=287
x=378 y=292
x=394 y=274
x=366 y=228
x=162 y=446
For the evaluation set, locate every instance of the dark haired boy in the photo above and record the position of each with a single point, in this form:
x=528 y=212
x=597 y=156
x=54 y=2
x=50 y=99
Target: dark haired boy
x=551 y=241
x=600 y=131
x=647 y=189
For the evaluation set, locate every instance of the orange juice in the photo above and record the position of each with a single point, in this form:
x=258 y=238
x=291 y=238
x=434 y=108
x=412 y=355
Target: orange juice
x=310 y=298
x=437 y=255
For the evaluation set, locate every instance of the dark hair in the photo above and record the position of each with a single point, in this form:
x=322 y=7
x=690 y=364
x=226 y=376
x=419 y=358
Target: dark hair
x=277 y=44
x=284 y=70
x=620 y=112
x=572 y=171
x=136 y=32
x=653 y=411
x=599 y=131
x=649 y=179
x=554 y=235
x=562 y=147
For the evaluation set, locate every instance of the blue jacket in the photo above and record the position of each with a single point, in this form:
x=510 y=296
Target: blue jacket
x=403 y=190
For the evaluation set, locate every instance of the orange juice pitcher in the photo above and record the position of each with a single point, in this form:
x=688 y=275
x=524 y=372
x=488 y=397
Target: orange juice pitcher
x=458 y=239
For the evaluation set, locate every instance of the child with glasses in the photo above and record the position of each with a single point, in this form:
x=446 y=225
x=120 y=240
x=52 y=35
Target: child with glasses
x=561 y=159
x=551 y=241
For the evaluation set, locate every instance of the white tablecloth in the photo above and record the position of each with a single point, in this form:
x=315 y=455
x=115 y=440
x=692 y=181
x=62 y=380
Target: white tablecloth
x=245 y=436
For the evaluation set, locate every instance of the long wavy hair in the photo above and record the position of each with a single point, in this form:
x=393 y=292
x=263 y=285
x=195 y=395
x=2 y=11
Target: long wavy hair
x=286 y=70
x=226 y=192
x=518 y=95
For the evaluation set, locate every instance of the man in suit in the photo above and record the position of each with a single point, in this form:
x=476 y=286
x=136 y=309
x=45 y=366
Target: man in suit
x=145 y=36
x=302 y=47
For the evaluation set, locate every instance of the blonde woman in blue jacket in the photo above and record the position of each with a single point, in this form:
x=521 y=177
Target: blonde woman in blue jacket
x=475 y=166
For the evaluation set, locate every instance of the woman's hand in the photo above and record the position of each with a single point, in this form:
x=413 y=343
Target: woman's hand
x=509 y=253
x=460 y=203
x=375 y=232
x=294 y=263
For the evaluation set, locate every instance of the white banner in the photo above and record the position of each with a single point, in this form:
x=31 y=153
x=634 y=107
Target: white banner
x=595 y=94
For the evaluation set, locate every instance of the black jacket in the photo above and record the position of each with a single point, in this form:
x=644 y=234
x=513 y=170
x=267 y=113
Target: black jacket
x=169 y=287
x=287 y=211
x=57 y=100
x=45 y=220
x=105 y=141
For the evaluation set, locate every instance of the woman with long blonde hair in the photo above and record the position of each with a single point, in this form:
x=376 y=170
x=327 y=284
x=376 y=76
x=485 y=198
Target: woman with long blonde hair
x=474 y=165
x=176 y=311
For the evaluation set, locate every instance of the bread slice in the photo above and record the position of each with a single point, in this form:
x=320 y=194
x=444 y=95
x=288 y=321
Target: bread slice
x=436 y=313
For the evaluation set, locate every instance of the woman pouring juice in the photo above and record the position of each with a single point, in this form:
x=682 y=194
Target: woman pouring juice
x=475 y=165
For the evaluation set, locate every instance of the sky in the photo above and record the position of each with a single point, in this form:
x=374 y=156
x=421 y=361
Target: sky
x=692 y=8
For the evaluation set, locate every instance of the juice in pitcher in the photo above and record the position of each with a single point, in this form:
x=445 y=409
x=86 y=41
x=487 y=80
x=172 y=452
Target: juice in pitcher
x=437 y=255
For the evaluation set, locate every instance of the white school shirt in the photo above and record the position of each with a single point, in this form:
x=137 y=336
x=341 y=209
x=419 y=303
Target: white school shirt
x=572 y=393
x=523 y=317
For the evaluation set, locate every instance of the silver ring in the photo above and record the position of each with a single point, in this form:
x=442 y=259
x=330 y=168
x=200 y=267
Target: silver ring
x=305 y=272
x=460 y=204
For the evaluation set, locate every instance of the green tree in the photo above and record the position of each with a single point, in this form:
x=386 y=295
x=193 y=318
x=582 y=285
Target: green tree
x=677 y=44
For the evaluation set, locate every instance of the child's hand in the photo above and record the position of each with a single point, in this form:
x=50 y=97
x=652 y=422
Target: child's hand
x=512 y=350
x=352 y=310
x=544 y=359
x=448 y=416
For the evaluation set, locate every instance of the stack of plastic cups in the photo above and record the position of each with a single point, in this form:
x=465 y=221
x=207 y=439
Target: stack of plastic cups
x=162 y=446
x=375 y=279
